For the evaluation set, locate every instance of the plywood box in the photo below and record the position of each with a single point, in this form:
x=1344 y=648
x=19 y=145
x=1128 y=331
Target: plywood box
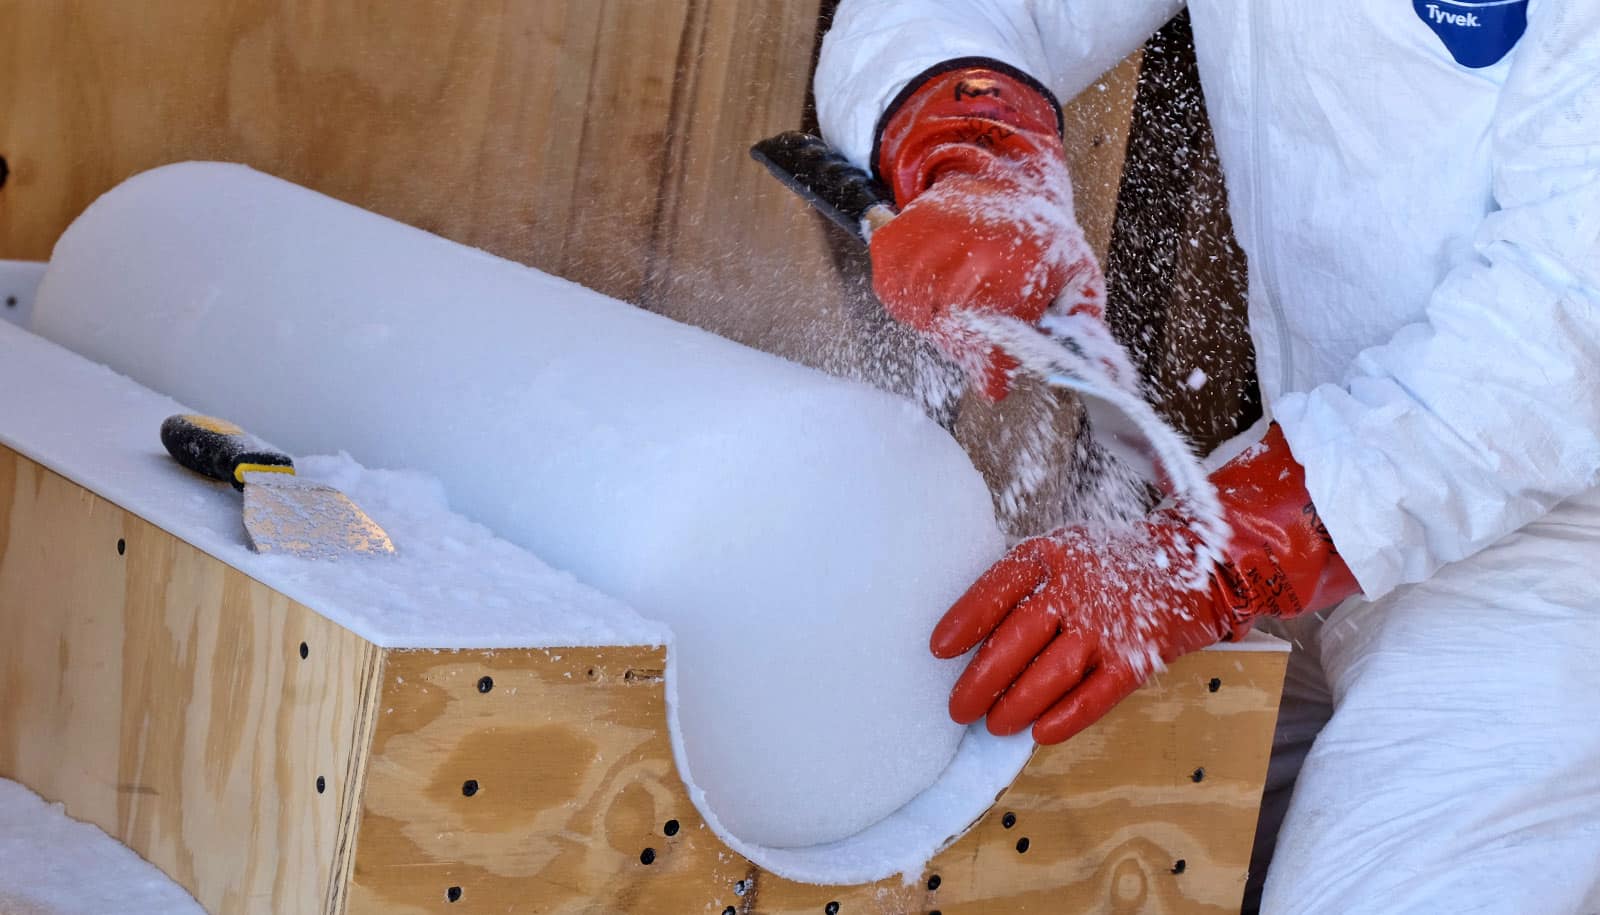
x=272 y=761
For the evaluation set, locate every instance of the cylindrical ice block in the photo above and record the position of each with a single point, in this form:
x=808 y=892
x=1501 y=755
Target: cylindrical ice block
x=799 y=533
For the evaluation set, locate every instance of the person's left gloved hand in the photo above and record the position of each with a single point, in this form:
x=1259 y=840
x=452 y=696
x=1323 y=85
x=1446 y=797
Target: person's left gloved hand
x=1073 y=622
x=976 y=163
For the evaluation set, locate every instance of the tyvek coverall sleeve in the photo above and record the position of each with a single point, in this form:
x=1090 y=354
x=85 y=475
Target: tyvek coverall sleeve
x=1479 y=419
x=875 y=47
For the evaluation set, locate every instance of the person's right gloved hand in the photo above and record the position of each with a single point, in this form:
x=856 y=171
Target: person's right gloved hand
x=1073 y=622
x=976 y=163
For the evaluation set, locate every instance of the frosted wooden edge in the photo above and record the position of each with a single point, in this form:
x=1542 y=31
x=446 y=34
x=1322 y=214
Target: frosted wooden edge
x=99 y=429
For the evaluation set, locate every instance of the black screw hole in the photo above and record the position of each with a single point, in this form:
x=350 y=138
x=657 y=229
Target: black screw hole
x=831 y=908
x=1179 y=866
x=122 y=547
x=730 y=910
x=648 y=856
x=11 y=301
x=4 y=171
x=485 y=684
x=671 y=828
x=1198 y=775
x=453 y=894
x=1215 y=684
x=935 y=912
x=1022 y=845
x=1009 y=820
x=322 y=784
x=469 y=787
x=592 y=674
x=305 y=650
x=934 y=881
x=740 y=888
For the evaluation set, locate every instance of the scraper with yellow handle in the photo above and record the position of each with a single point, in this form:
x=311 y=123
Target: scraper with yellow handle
x=282 y=512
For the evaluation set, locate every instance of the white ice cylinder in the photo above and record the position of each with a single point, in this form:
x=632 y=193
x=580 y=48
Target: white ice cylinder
x=800 y=534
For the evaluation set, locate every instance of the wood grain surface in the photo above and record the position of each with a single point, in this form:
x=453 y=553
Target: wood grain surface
x=605 y=142
x=160 y=695
x=601 y=141
x=555 y=791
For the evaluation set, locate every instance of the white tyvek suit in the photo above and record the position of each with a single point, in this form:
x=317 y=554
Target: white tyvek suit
x=1417 y=187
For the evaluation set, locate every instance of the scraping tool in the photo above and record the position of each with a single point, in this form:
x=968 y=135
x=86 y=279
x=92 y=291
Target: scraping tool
x=1118 y=417
x=282 y=512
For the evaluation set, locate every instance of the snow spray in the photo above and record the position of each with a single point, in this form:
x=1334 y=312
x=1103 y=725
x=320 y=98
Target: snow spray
x=1077 y=353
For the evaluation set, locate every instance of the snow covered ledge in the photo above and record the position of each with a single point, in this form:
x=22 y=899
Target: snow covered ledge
x=360 y=772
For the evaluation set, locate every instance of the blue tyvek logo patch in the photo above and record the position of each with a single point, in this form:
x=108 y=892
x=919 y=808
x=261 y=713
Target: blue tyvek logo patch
x=1477 y=34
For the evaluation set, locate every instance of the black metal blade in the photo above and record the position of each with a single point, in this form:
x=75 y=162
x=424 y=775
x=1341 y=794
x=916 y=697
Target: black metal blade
x=826 y=179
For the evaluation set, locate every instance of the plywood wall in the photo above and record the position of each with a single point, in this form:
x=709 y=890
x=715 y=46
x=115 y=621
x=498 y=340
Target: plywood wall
x=573 y=136
x=601 y=140
x=160 y=695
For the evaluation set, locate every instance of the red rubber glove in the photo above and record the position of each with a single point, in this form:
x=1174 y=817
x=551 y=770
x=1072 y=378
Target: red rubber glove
x=1074 y=622
x=975 y=161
